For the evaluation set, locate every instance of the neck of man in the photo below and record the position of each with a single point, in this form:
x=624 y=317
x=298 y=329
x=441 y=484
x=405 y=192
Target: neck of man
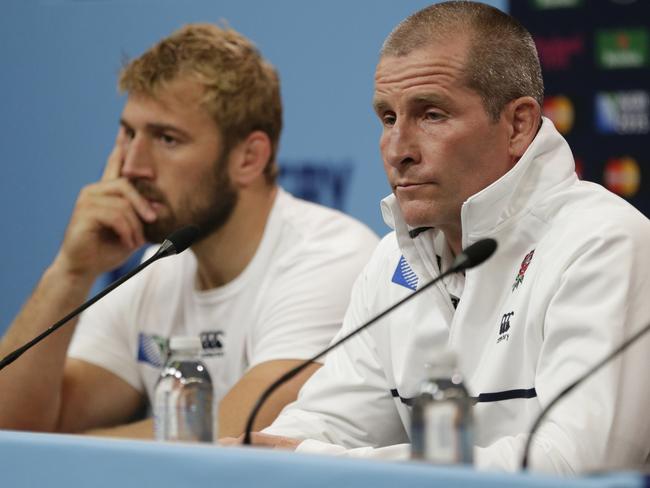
x=224 y=254
x=454 y=237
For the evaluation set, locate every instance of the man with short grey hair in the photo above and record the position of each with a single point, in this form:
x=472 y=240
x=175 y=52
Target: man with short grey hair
x=468 y=155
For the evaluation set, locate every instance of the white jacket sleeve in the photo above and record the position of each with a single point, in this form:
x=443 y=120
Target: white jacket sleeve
x=598 y=302
x=346 y=402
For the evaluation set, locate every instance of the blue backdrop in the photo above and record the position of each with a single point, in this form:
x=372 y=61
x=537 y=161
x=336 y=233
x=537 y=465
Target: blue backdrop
x=60 y=106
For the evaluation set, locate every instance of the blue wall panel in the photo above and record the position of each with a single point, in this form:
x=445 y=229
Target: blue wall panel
x=58 y=65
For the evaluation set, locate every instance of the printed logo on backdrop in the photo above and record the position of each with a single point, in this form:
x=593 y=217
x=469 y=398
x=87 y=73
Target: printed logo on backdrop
x=623 y=112
x=560 y=110
x=553 y=4
x=321 y=182
x=622 y=176
x=580 y=168
x=623 y=48
x=559 y=52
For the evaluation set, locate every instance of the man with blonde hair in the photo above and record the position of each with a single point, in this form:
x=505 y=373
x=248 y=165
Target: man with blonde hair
x=458 y=91
x=265 y=284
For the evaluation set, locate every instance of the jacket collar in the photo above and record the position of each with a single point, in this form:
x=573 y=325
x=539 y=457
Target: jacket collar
x=546 y=165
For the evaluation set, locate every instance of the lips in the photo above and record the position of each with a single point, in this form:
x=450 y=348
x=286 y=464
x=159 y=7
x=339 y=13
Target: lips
x=408 y=185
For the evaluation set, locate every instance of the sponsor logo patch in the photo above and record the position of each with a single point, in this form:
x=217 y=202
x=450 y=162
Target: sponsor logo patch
x=522 y=270
x=404 y=275
x=504 y=327
x=153 y=349
x=212 y=342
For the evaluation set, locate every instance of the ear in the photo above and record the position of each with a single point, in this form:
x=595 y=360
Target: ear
x=524 y=118
x=251 y=157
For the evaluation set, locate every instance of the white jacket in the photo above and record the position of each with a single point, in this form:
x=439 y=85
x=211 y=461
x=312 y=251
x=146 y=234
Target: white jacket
x=527 y=324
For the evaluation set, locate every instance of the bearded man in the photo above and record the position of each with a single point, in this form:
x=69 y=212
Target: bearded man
x=265 y=285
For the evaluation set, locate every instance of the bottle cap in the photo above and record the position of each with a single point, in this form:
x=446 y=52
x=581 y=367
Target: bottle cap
x=185 y=343
x=445 y=357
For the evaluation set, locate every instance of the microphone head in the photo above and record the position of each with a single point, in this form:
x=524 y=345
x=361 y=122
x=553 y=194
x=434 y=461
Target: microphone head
x=475 y=254
x=178 y=241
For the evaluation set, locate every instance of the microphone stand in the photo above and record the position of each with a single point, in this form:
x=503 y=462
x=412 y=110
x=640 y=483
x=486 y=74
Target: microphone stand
x=177 y=242
x=525 y=458
x=474 y=255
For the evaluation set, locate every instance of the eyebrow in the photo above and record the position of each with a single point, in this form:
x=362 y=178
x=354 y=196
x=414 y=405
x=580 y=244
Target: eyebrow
x=429 y=99
x=381 y=106
x=158 y=128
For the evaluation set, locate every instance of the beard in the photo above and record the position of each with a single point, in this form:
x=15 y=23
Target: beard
x=209 y=206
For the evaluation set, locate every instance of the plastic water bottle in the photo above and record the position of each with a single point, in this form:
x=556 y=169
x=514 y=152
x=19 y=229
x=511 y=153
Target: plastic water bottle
x=442 y=427
x=183 y=409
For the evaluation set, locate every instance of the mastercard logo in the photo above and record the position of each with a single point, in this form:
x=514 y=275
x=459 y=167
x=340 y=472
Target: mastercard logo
x=560 y=110
x=623 y=176
x=580 y=168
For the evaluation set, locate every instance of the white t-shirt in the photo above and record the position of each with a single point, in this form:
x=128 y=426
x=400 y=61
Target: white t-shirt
x=286 y=304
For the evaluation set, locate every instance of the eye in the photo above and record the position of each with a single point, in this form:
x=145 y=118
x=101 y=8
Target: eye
x=129 y=133
x=168 y=140
x=388 y=119
x=433 y=115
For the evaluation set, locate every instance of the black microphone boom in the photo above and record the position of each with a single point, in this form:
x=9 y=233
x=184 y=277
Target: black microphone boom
x=474 y=255
x=176 y=243
x=542 y=415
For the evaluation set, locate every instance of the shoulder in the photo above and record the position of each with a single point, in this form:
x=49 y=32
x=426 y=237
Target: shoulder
x=310 y=218
x=383 y=262
x=313 y=228
x=588 y=214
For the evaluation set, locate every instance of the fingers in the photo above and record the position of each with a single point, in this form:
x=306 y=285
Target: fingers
x=106 y=226
x=117 y=215
x=230 y=441
x=274 y=441
x=123 y=189
x=115 y=159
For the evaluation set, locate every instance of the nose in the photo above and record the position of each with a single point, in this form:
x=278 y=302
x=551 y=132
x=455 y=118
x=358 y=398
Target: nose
x=399 y=145
x=138 y=158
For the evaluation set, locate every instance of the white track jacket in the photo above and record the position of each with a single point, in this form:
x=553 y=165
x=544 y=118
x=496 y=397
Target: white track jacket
x=567 y=284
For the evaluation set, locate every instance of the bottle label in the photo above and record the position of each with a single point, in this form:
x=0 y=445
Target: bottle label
x=441 y=441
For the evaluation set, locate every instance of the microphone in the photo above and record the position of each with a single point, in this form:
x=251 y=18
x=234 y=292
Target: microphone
x=538 y=421
x=175 y=243
x=470 y=257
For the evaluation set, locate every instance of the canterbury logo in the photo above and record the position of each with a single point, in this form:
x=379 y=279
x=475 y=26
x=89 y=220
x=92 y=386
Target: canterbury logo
x=505 y=327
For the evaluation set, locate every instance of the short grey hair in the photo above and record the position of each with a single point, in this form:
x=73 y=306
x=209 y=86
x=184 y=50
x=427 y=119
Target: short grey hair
x=502 y=63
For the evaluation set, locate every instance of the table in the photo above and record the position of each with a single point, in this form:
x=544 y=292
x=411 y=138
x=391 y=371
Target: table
x=55 y=460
